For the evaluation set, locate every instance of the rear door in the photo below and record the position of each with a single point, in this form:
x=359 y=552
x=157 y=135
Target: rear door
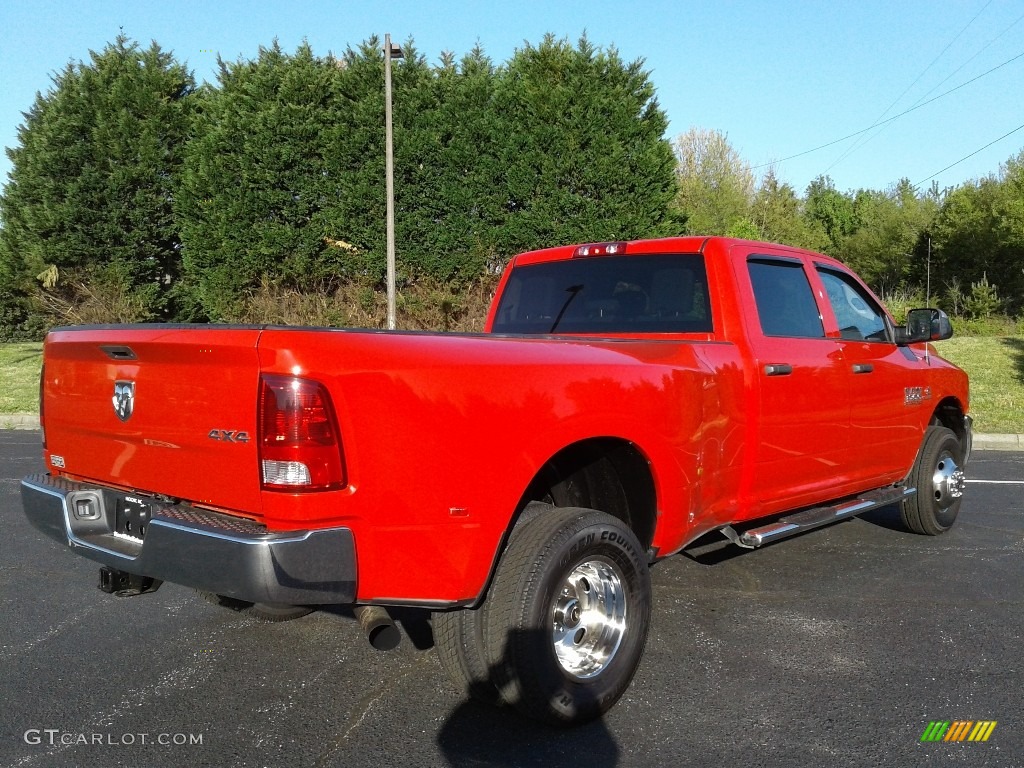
x=803 y=412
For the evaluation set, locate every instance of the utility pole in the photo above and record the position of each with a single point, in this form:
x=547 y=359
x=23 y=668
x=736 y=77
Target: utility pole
x=928 y=278
x=390 y=52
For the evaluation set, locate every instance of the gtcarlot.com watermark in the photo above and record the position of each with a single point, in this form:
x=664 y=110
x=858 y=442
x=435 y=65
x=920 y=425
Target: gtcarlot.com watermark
x=56 y=737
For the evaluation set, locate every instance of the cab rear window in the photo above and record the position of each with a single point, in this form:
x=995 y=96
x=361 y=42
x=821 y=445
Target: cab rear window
x=607 y=294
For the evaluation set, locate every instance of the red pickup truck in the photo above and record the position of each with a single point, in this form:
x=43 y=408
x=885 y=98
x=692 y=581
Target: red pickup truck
x=624 y=400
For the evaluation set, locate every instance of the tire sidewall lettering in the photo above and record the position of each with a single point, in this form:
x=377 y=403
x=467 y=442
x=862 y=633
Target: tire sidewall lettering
x=520 y=648
x=570 y=694
x=572 y=553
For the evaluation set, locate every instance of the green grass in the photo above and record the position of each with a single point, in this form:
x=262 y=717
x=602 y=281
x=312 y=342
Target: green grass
x=995 y=365
x=19 y=377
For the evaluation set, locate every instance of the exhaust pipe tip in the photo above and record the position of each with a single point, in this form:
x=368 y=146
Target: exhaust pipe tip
x=379 y=628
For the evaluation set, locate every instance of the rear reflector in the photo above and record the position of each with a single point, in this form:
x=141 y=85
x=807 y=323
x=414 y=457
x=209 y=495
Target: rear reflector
x=300 y=449
x=42 y=412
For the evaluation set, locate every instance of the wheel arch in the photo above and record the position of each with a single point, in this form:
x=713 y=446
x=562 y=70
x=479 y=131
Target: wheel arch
x=950 y=413
x=609 y=474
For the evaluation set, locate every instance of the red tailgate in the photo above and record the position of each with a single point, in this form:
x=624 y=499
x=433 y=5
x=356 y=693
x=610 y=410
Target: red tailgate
x=158 y=409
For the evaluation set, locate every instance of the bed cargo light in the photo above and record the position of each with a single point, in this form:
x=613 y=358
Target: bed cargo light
x=599 y=249
x=299 y=445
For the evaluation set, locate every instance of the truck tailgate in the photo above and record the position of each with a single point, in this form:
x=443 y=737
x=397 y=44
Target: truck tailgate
x=158 y=409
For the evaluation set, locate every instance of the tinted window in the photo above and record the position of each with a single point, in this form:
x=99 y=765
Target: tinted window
x=607 y=294
x=858 y=316
x=785 y=302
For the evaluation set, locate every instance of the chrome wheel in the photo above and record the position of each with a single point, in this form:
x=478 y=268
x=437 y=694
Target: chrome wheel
x=938 y=477
x=948 y=482
x=589 y=618
x=557 y=644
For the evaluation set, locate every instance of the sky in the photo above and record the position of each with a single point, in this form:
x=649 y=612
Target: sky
x=779 y=78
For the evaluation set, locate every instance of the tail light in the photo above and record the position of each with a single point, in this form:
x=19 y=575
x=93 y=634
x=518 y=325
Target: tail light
x=300 y=447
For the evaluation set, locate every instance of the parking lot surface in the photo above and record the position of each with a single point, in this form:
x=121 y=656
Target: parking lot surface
x=837 y=648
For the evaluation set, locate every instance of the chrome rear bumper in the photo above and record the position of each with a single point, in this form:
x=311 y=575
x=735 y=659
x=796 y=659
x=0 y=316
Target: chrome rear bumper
x=185 y=545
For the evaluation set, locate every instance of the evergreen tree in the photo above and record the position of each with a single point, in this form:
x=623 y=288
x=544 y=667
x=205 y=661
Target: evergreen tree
x=356 y=147
x=87 y=210
x=582 y=147
x=258 y=189
x=460 y=209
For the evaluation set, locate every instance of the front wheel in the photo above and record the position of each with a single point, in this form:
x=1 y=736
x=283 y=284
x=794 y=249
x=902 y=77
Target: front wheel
x=566 y=619
x=938 y=475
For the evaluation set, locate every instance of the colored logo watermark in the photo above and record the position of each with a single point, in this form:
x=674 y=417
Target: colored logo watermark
x=958 y=730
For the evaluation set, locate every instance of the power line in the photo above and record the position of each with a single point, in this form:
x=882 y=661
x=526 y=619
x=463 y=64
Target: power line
x=937 y=85
x=860 y=143
x=980 y=51
x=965 y=157
x=894 y=117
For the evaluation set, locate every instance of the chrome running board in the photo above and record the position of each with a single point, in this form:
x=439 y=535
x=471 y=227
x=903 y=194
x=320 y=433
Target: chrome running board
x=808 y=519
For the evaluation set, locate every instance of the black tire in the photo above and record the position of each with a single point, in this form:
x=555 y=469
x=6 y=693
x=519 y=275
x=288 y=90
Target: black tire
x=459 y=638
x=459 y=642
x=566 y=618
x=939 y=478
x=262 y=611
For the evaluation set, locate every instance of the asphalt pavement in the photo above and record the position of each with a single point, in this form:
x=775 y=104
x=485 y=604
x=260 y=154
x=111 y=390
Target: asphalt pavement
x=836 y=648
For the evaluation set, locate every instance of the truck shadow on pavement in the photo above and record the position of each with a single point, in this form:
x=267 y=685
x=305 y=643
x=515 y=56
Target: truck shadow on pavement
x=476 y=733
x=480 y=734
x=713 y=548
x=888 y=517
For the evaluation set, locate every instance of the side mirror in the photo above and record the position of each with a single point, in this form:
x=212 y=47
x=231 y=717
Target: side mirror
x=925 y=325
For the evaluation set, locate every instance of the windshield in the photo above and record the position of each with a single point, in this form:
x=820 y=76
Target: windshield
x=607 y=294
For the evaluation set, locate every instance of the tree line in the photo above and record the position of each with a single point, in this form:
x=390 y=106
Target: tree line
x=136 y=195
x=960 y=248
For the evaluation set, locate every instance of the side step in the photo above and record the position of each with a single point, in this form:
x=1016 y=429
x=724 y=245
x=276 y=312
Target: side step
x=816 y=517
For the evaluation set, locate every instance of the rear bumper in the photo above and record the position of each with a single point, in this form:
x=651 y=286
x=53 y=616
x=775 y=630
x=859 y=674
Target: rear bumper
x=184 y=545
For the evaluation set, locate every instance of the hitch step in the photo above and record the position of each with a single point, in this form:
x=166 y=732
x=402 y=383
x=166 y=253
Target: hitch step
x=124 y=584
x=808 y=519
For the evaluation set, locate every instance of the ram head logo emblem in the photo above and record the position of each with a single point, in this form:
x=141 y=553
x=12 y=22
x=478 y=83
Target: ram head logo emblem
x=124 y=399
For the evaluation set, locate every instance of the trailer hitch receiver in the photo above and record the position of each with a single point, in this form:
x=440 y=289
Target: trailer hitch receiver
x=124 y=584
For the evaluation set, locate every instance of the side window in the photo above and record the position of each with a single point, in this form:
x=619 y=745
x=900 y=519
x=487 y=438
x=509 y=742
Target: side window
x=785 y=301
x=859 y=317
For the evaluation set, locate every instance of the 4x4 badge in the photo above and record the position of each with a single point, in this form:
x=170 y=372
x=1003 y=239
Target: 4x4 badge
x=124 y=399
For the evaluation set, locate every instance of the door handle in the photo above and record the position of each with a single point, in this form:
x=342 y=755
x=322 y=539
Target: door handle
x=863 y=367
x=778 y=369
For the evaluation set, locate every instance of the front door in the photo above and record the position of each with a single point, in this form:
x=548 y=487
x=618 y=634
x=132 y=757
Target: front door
x=886 y=383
